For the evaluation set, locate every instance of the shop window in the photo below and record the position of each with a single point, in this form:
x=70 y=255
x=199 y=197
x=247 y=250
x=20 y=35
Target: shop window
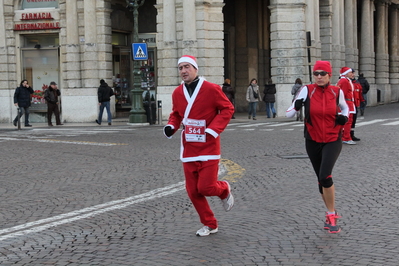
x=120 y=39
x=39 y=4
x=40 y=62
x=44 y=40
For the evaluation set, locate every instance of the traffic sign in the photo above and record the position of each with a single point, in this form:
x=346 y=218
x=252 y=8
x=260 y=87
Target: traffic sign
x=139 y=51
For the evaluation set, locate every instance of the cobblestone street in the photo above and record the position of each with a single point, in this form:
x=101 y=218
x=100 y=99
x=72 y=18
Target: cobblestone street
x=114 y=195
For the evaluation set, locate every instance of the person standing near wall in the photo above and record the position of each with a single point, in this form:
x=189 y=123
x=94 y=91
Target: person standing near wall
x=51 y=96
x=204 y=111
x=365 y=89
x=253 y=98
x=104 y=94
x=22 y=99
x=269 y=98
x=229 y=92
x=323 y=130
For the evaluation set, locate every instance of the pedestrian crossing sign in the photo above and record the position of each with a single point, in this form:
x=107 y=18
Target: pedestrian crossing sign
x=139 y=51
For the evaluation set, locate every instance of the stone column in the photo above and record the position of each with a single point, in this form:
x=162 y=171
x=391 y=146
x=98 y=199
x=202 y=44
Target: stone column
x=350 y=31
x=394 y=52
x=167 y=54
x=382 y=56
x=338 y=36
x=326 y=31
x=104 y=41
x=313 y=26
x=8 y=58
x=72 y=57
x=90 y=47
x=366 y=59
x=288 y=50
x=189 y=42
x=167 y=45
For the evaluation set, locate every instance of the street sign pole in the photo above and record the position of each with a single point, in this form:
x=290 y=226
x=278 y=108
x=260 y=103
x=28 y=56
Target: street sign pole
x=137 y=113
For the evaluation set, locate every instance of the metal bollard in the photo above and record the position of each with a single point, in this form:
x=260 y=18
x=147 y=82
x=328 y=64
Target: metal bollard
x=159 y=112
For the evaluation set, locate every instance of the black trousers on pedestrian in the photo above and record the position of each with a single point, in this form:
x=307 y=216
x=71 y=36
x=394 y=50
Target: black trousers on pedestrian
x=53 y=107
x=323 y=157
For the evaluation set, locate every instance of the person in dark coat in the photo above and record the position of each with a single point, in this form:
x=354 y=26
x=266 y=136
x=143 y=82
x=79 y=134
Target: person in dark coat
x=51 y=96
x=104 y=93
x=22 y=99
x=269 y=98
x=365 y=88
x=229 y=92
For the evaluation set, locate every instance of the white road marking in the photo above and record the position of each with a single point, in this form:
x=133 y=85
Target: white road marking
x=88 y=212
x=41 y=225
x=370 y=122
x=391 y=124
x=254 y=125
x=66 y=142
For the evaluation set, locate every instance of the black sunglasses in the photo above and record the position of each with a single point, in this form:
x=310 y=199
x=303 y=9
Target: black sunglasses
x=322 y=73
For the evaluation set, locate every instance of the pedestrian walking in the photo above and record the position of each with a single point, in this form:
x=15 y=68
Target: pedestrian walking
x=104 y=94
x=252 y=98
x=346 y=85
x=51 y=95
x=22 y=99
x=204 y=111
x=323 y=129
x=229 y=92
x=269 y=98
x=294 y=91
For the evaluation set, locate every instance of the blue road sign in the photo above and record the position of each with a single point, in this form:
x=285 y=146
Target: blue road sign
x=139 y=51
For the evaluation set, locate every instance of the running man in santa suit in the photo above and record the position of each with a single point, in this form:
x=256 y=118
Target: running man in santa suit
x=204 y=111
x=346 y=85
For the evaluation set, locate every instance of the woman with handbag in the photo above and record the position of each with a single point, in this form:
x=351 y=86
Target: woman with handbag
x=252 y=98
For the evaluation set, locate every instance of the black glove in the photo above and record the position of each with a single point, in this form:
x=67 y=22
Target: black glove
x=168 y=131
x=298 y=104
x=341 y=120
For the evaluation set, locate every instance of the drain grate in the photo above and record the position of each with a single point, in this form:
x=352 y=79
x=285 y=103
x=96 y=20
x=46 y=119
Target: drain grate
x=296 y=156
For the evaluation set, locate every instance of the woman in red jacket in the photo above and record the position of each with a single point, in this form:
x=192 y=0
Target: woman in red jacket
x=325 y=113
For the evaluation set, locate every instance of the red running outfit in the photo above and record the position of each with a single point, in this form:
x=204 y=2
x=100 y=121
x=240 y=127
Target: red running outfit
x=204 y=116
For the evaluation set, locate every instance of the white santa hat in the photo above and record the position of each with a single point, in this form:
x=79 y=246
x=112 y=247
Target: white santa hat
x=188 y=59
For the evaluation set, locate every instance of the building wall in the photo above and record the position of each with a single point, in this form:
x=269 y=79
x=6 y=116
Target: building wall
x=264 y=38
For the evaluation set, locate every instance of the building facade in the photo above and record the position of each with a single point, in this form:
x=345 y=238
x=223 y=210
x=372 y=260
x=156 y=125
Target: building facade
x=76 y=43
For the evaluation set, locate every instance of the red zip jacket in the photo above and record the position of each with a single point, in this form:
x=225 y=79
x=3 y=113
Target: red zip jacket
x=322 y=106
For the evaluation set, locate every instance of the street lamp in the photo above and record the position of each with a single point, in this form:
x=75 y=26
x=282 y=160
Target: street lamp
x=137 y=113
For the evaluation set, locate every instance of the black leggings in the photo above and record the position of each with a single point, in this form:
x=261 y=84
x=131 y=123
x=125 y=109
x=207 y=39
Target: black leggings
x=323 y=157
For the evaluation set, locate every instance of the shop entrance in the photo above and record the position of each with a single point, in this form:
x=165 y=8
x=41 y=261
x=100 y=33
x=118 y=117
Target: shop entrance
x=122 y=80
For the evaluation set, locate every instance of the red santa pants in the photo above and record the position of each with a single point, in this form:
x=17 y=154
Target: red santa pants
x=201 y=182
x=346 y=136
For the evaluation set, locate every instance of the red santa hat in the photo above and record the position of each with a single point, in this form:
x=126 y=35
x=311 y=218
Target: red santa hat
x=323 y=65
x=345 y=70
x=188 y=59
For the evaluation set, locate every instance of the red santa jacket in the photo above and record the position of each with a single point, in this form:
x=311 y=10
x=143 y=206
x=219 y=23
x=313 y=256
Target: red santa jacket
x=346 y=86
x=208 y=103
x=357 y=94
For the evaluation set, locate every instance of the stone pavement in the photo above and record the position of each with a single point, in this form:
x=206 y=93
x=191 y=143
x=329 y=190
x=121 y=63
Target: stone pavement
x=83 y=194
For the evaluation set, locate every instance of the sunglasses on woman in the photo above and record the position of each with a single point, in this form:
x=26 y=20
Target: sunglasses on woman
x=321 y=73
